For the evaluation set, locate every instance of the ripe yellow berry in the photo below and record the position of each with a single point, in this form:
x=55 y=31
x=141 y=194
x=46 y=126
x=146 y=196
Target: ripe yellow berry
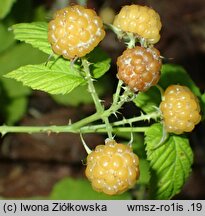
x=139 y=68
x=180 y=109
x=112 y=168
x=75 y=31
x=141 y=20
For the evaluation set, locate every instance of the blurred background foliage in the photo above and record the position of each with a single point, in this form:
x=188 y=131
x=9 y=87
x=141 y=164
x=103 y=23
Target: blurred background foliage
x=41 y=165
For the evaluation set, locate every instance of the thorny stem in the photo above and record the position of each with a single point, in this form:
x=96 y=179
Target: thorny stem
x=116 y=129
x=82 y=126
x=98 y=105
x=108 y=127
x=117 y=94
x=65 y=129
x=78 y=126
x=91 y=87
x=153 y=115
x=125 y=97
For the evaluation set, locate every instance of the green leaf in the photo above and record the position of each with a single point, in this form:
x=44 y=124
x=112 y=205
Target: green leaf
x=19 y=55
x=80 y=189
x=137 y=142
x=13 y=100
x=79 y=95
x=170 y=164
x=16 y=109
x=58 y=77
x=5 y=7
x=100 y=60
x=175 y=74
x=11 y=86
x=144 y=172
x=14 y=94
x=6 y=38
x=149 y=100
x=35 y=33
x=40 y=14
x=203 y=98
x=203 y=105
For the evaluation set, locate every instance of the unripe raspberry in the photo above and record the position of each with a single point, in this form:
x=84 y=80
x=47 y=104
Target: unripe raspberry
x=140 y=20
x=75 y=31
x=139 y=67
x=180 y=109
x=112 y=168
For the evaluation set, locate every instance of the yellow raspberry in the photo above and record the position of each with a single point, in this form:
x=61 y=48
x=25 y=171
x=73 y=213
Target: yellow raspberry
x=180 y=109
x=75 y=31
x=112 y=168
x=139 y=68
x=141 y=20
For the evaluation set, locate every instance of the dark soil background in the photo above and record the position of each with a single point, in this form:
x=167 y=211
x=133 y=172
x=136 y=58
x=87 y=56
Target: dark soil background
x=31 y=164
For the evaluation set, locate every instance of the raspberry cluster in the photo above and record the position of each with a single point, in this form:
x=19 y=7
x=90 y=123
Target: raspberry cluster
x=139 y=67
x=112 y=168
x=180 y=109
x=141 y=20
x=75 y=31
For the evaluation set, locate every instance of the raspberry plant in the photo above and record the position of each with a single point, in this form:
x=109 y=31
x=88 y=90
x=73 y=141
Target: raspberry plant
x=70 y=40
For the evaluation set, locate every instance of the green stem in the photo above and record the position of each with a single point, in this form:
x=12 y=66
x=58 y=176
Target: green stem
x=161 y=91
x=131 y=40
x=73 y=128
x=101 y=127
x=116 y=129
x=65 y=129
x=143 y=117
x=108 y=127
x=117 y=93
x=98 y=105
x=91 y=87
x=35 y=129
x=125 y=97
x=78 y=126
x=86 y=121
